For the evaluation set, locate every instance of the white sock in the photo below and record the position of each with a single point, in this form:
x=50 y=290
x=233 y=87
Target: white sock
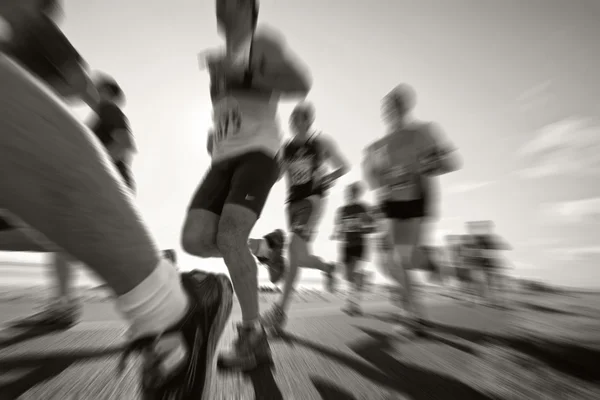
x=157 y=303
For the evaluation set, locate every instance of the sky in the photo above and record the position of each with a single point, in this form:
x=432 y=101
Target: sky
x=514 y=85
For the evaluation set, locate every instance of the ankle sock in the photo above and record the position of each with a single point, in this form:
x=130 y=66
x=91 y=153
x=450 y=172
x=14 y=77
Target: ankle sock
x=156 y=304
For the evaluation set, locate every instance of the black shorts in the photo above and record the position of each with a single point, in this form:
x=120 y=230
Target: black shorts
x=245 y=180
x=352 y=254
x=303 y=216
x=404 y=209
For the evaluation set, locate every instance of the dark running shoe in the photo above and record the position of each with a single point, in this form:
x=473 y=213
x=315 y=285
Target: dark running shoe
x=250 y=350
x=275 y=262
x=211 y=298
x=55 y=316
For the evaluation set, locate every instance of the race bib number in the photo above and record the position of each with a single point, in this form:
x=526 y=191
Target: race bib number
x=352 y=224
x=300 y=172
x=227 y=120
x=401 y=182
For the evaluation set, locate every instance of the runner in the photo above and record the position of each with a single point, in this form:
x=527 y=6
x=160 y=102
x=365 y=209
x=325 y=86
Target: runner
x=459 y=261
x=267 y=250
x=57 y=179
x=246 y=84
x=305 y=159
x=487 y=247
x=398 y=168
x=352 y=223
x=112 y=129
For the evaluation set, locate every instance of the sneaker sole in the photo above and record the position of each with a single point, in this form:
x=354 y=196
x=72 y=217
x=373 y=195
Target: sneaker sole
x=216 y=332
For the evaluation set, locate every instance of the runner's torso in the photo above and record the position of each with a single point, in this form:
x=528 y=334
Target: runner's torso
x=305 y=168
x=395 y=159
x=245 y=118
x=353 y=218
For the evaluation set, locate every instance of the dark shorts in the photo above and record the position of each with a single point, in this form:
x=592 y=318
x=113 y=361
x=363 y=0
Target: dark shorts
x=303 y=216
x=404 y=209
x=353 y=253
x=245 y=180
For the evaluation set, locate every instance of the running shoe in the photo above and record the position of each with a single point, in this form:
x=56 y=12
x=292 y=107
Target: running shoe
x=184 y=372
x=352 y=309
x=275 y=262
x=249 y=351
x=56 y=316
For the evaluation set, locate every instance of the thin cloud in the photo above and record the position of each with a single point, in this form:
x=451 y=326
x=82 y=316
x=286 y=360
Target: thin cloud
x=567 y=147
x=535 y=97
x=468 y=187
x=575 y=253
x=573 y=211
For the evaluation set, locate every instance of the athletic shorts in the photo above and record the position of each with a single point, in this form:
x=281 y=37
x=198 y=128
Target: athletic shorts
x=303 y=216
x=351 y=257
x=404 y=209
x=245 y=180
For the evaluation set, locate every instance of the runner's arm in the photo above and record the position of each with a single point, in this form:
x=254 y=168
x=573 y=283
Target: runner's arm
x=337 y=225
x=446 y=157
x=210 y=142
x=333 y=154
x=283 y=166
x=369 y=175
x=278 y=69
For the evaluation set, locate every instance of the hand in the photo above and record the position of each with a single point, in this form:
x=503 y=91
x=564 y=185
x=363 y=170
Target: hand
x=327 y=182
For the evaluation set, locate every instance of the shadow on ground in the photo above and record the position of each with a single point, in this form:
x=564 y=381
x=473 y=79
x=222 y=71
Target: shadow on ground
x=39 y=369
x=264 y=385
x=10 y=336
x=383 y=369
x=566 y=358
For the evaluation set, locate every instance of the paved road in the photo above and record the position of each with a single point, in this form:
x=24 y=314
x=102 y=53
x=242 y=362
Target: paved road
x=328 y=356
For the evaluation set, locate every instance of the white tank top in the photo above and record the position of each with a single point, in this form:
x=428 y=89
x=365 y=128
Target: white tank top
x=245 y=119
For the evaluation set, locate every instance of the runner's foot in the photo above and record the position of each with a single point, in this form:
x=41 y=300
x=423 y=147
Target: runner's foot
x=250 y=350
x=352 y=309
x=57 y=315
x=178 y=364
x=275 y=262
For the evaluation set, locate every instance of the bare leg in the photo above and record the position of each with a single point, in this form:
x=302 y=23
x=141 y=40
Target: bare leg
x=58 y=180
x=62 y=272
x=234 y=228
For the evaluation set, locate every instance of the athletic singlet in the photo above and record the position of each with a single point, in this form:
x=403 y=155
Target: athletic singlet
x=354 y=220
x=305 y=167
x=245 y=118
x=395 y=158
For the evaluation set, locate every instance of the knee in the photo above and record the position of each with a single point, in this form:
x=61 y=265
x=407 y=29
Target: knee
x=198 y=243
x=230 y=240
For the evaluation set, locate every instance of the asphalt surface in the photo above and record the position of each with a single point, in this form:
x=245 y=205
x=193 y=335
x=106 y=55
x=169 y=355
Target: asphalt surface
x=327 y=355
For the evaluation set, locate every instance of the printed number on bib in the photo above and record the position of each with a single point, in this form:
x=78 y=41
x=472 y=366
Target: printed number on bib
x=402 y=184
x=300 y=172
x=353 y=224
x=228 y=121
